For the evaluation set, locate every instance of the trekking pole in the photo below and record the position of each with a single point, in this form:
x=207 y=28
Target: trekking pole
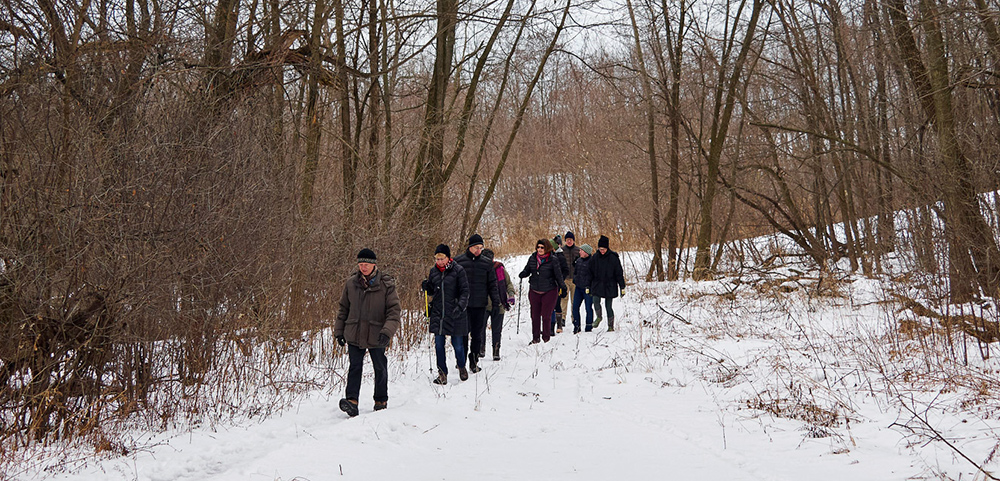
x=519 y=301
x=427 y=323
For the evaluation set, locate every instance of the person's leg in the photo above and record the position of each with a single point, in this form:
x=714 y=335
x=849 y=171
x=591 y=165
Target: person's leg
x=565 y=303
x=597 y=311
x=477 y=321
x=356 y=359
x=611 y=313
x=458 y=342
x=549 y=300
x=496 y=325
x=439 y=351
x=578 y=294
x=482 y=333
x=381 y=366
x=535 y=299
x=557 y=313
x=588 y=301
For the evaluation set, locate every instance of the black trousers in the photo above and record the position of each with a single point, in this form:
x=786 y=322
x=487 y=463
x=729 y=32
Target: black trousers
x=477 y=329
x=356 y=356
x=496 y=323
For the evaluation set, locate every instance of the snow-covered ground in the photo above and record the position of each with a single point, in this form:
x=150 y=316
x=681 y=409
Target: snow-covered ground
x=773 y=379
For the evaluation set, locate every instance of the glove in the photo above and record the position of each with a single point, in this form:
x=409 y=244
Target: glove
x=425 y=286
x=562 y=292
x=623 y=292
x=341 y=340
x=383 y=341
x=510 y=301
x=523 y=275
x=587 y=291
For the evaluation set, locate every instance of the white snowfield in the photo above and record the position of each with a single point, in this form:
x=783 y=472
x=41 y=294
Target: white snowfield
x=743 y=392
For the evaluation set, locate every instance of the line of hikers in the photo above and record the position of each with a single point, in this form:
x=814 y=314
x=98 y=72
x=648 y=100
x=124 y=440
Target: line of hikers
x=462 y=293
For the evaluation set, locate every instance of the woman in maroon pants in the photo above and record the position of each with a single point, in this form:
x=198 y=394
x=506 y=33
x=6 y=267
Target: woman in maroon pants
x=545 y=282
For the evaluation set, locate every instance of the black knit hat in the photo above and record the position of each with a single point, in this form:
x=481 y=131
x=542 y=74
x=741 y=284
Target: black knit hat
x=443 y=249
x=475 y=240
x=366 y=255
x=569 y=235
x=604 y=242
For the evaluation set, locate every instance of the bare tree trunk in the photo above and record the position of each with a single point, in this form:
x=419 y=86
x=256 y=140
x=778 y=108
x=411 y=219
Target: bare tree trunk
x=371 y=183
x=348 y=156
x=219 y=42
x=654 y=174
x=429 y=175
x=972 y=252
x=676 y=52
x=719 y=132
x=310 y=165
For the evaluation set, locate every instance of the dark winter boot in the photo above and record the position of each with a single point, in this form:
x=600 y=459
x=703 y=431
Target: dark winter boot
x=442 y=378
x=611 y=324
x=496 y=352
x=380 y=405
x=349 y=406
x=482 y=350
x=474 y=362
x=463 y=374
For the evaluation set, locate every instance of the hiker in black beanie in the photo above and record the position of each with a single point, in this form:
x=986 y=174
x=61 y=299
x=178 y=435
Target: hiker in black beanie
x=367 y=320
x=448 y=289
x=607 y=280
x=482 y=289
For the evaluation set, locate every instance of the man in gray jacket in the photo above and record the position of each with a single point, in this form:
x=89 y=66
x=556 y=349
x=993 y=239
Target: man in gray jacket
x=366 y=322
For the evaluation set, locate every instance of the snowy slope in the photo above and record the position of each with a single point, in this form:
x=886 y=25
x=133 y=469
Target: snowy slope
x=729 y=386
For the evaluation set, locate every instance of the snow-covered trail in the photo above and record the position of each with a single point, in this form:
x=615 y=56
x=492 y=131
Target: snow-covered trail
x=586 y=406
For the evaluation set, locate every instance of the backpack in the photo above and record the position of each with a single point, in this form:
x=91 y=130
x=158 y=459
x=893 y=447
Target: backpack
x=501 y=282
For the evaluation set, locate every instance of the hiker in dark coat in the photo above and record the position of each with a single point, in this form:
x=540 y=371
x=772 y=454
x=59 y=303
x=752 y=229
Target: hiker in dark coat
x=545 y=281
x=448 y=289
x=367 y=320
x=572 y=253
x=482 y=290
x=581 y=280
x=558 y=321
x=505 y=289
x=607 y=280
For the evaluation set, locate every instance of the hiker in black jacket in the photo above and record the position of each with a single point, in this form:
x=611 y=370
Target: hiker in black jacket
x=505 y=289
x=572 y=253
x=482 y=289
x=448 y=288
x=581 y=279
x=545 y=282
x=558 y=321
x=607 y=280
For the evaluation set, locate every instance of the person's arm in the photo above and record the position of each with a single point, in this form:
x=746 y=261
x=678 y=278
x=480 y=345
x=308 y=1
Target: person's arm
x=620 y=275
x=463 y=289
x=491 y=286
x=558 y=272
x=392 y=308
x=342 y=312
